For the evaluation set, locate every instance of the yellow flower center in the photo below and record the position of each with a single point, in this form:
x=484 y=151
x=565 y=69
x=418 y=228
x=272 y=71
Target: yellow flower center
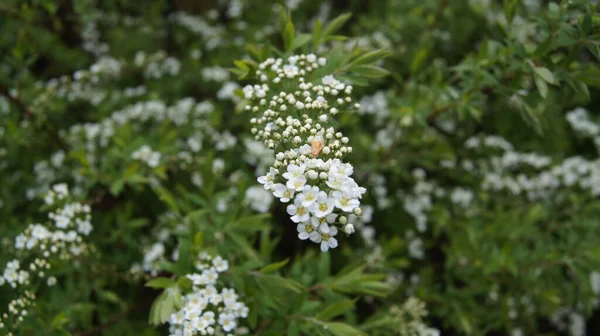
x=301 y=211
x=325 y=236
x=308 y=228
x=323 y=206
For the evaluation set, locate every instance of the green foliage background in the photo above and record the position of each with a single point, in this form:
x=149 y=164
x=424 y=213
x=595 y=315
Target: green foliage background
x=506 y=68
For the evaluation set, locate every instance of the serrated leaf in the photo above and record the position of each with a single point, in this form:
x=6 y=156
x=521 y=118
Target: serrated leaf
x=160 y=283
x=335 y=309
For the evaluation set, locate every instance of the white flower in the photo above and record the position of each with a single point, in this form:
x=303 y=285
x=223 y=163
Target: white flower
x=327 y=240
x=296 y=183
x=344 y=201
x=283 y=193
x=309 y=195
x=297 y=211
x=294 y=171
x=304 y=230
x=323 y=206
x=267 y=180
x=227 y=321
x=221 y=265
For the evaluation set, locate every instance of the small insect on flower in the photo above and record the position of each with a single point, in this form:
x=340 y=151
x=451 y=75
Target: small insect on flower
x=316 y=146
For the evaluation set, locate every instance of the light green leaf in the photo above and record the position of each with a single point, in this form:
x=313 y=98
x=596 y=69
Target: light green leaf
x=370 y=71
x=317 y=35
x=370 y=57
x=288 y=36
x=545 y=74
x=275 y=266
x=541 y=86
x=343 y=329
x=160 y=283
x=301 y=40
x=335 y=25
x=335 y=309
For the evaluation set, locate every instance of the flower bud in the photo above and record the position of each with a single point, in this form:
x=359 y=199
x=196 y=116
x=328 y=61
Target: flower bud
x=343 y=219
x=358 y=211
x=349 y=229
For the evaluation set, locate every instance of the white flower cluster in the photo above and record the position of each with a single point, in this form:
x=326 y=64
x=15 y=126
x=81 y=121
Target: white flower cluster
x=207 y=310
x=58 y=192
x=546 y=182
x=308 y=170
x=157 y=65
x=375 y=105
x=64 y=239
x=211 y=33
x=410 y=318
x=569 y=320
x=146 y=155
x=17 y=310
x=13 y=275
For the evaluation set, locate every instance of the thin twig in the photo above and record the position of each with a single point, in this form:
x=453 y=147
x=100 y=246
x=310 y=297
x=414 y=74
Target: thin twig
x=16 y=101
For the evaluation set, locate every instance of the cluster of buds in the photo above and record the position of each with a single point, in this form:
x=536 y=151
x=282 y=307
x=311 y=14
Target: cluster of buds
x=295 y=105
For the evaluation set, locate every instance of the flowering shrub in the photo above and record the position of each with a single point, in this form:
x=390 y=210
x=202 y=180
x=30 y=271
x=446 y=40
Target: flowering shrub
x=142 y=150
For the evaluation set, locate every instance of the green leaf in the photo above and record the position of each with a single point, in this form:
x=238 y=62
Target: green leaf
x=335 y=309
x=370 y=71
x=242 y=243
x=343 y=329
x=293 y=329
x=184 y=283
x=199 y=240
x=274 y=266
x=160 y=283
x=545 y=74
x=116 y=187
x=589 y=76
x=418 y=60
x=166 y=304
x=288 y=36
x=317 y=35
x=59 y=321
x=370 y=57
x=335 y=25
x=541 y=86
x=301 y=40
x=166 y=196
x=510 y=7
